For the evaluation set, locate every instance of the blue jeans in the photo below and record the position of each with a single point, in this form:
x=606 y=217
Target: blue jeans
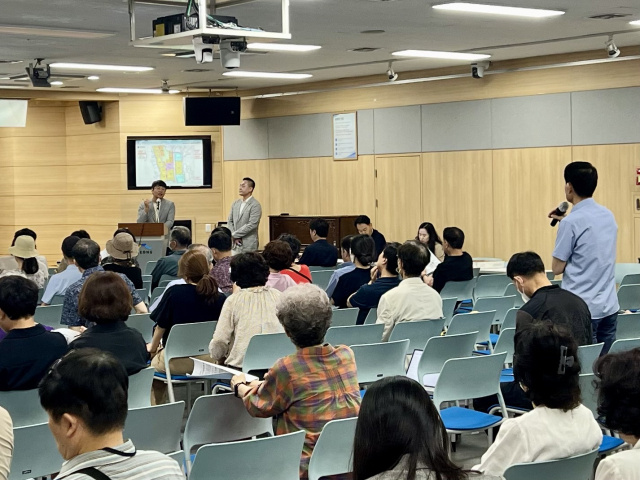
x=604 y=330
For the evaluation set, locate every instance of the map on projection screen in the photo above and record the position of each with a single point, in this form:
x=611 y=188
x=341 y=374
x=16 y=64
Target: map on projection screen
x=180 y=162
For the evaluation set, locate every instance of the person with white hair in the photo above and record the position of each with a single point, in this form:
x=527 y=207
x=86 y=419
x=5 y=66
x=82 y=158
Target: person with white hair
x=306 y=389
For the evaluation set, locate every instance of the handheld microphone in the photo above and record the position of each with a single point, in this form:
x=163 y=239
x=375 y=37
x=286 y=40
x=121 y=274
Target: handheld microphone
x=560 y=211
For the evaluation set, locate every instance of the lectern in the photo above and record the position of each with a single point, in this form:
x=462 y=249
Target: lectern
x=153 y=239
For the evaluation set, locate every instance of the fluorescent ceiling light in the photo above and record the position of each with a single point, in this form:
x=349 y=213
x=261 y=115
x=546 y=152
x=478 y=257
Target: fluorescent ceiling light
x=52 y=32
x=497 y=10
x=442 y=55
x=282 y=47
x=289 y=76
x=93 y=77
x=134 y=90
x=14 y=86
x=90 y=66
x=635 y=22
x=57 y=82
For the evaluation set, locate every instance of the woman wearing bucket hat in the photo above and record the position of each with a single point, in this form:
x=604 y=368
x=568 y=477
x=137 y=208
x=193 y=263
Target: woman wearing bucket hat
x=25 y=253
x=122 y=250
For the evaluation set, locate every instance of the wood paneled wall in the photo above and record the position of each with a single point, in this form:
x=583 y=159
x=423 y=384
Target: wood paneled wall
x=499 y=198
x=60 y=175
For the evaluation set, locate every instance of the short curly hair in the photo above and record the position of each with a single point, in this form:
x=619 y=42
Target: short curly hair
x=536 y=362
x=278 y=255
x=249 y=270
x=305 y=313
x=618 y=384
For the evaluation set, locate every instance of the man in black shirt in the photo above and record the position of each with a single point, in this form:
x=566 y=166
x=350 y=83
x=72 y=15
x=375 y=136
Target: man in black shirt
x=545 y=301
x=364 y=227
x=320 y=253
x=28 y=350
x=457 y=265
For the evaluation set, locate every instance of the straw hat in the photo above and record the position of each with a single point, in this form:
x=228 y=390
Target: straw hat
x=122 y=247
x=25 y=247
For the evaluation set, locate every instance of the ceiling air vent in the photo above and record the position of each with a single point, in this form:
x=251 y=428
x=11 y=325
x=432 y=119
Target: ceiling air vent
x=364 y=49
x=610 y=16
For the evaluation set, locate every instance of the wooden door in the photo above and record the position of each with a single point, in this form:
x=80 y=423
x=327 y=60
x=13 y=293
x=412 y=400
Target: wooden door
x=398 y=188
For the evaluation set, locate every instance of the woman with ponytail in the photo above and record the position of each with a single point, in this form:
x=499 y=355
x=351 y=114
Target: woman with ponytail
x=198 y=300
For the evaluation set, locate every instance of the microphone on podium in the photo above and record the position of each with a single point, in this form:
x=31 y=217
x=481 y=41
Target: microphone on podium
x=560 y=211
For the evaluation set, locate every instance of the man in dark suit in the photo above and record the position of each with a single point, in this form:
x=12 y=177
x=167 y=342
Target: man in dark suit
x=320 y=253
x=364 y=227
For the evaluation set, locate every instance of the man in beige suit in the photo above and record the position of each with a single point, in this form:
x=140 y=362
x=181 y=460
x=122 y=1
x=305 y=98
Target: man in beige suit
x=244 y=219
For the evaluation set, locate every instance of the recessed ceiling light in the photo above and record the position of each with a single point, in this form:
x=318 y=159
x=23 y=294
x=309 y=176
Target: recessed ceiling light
x=93 y=77
x=635 y=22
x=5 y=78
x=289 y=76
x=14 y=86
x=372 y=32
x=364 y=49
x=52 y=32
x=90 y=66
x=134 y=90
x=441 y=55
x=282 y=47
x=497 y=10
x=57 y=82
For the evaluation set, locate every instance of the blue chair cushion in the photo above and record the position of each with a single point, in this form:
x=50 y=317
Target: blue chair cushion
x=458 y=418
x=362 y=392
x=482 y=352
x=609 y=443
x=173 y=377
x=507 y=371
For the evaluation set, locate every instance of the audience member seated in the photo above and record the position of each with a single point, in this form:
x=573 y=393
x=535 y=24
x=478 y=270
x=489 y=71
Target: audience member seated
x=547 y=368
x=299 y=273
x=106 y=302
x=86 y=254
x=384 y=277
x=62 y=264
x=42 y=261
x=400 y=436
x=28 y=350
x=198 y=247
x=198 y=300
x=363 y=251
x=107 y=258
x=278 y=256
x=59 y=282
x=123 y=251
x=319 y=253
x=343 y=268
x=85 y=396
x=180 y=239
x=318 y=383
x=249 y=311
x=457 y=266
x=364 y=227
x=24 y=252
x=428 y=236
x=545 y=301
x=412 y=299
x=220 y=244
x=619 y=409
x=6 y=443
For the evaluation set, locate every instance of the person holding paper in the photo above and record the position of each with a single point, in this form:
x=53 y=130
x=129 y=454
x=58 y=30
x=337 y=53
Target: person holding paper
x=306 y=389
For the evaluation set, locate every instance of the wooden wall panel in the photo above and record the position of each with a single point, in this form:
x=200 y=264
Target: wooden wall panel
x=457 y=191
x=295 y=188
x=347 y=186
x=616 y=166
x=398 y=191
x=528 y=185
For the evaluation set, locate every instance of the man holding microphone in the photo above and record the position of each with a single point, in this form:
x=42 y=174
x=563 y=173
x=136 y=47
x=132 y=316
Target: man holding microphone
x=585 y=251
x=157 y=209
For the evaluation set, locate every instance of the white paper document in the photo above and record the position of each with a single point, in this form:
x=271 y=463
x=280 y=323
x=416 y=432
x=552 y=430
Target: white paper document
x=210 y=370
x=429 y=380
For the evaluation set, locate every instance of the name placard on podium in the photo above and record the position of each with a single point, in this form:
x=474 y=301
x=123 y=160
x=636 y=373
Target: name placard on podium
x=153 y=239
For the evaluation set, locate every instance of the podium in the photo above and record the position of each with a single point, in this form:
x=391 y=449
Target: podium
x=153 y=239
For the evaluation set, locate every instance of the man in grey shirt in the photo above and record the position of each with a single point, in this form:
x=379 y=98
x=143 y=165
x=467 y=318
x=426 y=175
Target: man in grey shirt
x=244 y=219
x=585 y=251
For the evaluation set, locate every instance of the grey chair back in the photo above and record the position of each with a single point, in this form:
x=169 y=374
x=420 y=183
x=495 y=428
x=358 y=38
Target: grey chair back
x=344 y=317
x=379 y=360
x=35 y=453
x=155 y=427
x=587 y=355
x=266 y=349
x=333 y=451
x=628 y=326
x=49 y=316
x=23 y=407
x=142 y=323
x=418 y=332
x=579 y=467
x=356 y=335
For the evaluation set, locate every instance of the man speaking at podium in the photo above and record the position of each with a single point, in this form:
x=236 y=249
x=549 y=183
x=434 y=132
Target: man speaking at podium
x=157 y=209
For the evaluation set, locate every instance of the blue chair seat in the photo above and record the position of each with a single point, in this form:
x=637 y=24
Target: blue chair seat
x=507 y=371
x=458 y=418
x=609 y=443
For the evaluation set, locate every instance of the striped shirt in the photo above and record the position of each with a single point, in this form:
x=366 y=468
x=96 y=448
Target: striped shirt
x=305 y=390
x=144 y=465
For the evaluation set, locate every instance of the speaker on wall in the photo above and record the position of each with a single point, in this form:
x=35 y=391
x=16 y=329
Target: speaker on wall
x=91 y=112
x=201 y=111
